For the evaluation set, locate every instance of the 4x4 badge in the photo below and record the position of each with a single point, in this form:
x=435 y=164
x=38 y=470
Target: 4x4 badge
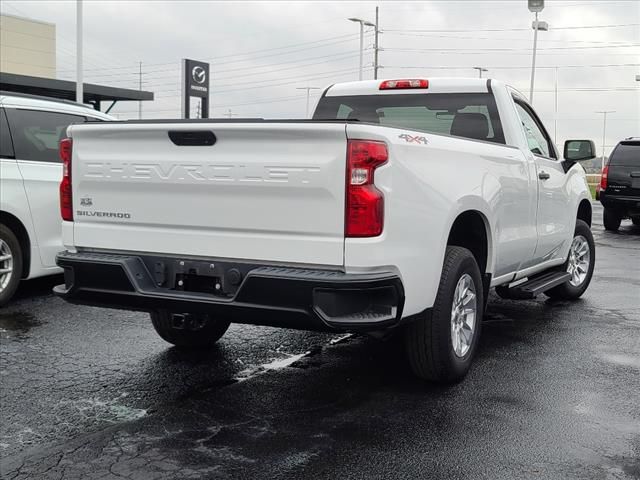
x=413 y=139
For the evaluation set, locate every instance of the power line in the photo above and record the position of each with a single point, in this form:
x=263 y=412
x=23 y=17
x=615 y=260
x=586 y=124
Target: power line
x=176 y=70
x=265 y=85
x=514 y=53
x=474 y=50
x=576 y=27
x=512 y=67
x=542 y=40
x=345 y=38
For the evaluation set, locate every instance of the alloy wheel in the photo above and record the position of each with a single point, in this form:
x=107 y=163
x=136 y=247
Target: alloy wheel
x=463 y=315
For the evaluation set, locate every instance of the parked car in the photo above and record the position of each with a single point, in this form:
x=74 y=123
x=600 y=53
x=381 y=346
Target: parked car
x=30 y=173
x=620 y=184
x=397 y=207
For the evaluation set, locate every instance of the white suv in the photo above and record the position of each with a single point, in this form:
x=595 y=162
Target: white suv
x=30 y=172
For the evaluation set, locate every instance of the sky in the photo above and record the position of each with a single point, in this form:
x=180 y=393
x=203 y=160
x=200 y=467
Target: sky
x=261 y=53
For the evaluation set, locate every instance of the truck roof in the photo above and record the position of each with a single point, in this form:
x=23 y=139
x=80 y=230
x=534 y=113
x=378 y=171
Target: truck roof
x=436 y=85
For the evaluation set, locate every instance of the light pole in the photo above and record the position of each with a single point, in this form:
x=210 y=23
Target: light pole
x=536 y=6
x=79 y=80
x=480 y=70
x=308 y=89
x=604 y=130
x=555 y=121
x=362 y=24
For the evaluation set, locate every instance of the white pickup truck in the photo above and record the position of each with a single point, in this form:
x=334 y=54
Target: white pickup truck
x=397 y=207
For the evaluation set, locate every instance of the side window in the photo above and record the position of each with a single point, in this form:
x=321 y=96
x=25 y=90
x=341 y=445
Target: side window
x=6 y=145
x=539 y=142
x=36 y=133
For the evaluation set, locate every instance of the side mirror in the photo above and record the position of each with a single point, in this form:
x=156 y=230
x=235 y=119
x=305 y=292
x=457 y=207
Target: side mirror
x=579 y=150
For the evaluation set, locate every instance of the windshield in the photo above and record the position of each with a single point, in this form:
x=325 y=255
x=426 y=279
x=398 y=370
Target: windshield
x=626 y=154
x=469 y=115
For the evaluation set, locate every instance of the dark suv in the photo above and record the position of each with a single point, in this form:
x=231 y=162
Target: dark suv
x=620 y=185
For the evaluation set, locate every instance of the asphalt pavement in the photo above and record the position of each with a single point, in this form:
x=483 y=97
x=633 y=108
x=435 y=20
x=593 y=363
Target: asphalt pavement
x=554 y=394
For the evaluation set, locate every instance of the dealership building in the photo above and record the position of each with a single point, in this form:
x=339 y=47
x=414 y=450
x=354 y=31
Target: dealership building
x=28 y=66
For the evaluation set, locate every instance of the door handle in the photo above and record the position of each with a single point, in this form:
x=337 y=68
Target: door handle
x=635 y=174
x=194 y=138
x=544 y=175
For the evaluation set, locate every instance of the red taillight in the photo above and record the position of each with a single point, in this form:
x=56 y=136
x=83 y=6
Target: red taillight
x=66 y=202
x=403 y=84
x=605 y=178
x=364 y=216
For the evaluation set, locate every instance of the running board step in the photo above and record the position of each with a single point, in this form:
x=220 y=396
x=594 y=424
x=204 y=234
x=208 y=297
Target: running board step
x=538 y=285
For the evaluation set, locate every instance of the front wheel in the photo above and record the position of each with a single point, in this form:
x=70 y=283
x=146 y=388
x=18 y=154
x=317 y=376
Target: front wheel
x=189 y=331
x=580 y=265
x=441 y=346
x=10 y=264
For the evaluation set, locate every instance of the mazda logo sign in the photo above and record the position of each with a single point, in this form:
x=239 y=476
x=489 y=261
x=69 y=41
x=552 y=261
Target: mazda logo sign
x=199 y=75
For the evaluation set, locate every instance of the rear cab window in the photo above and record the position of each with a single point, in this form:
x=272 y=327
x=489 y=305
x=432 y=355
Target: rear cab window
x=468 y=115
x=36 y=133
x=626 y=154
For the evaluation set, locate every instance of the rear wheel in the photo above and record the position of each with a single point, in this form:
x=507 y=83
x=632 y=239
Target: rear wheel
x=580 y=264
x=441 y=348
x=10 y=264
x=186 y=330
x=611 y=220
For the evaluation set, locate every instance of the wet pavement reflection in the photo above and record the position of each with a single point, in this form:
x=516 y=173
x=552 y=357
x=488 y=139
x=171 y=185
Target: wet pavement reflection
x=554 y=393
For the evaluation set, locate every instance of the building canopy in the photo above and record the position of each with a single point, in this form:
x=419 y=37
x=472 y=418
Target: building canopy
x=93 y=94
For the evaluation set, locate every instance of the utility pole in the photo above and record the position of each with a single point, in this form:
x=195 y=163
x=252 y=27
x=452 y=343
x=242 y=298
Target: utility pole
x=480 y=70
x=79 y=80
x=140 y=88
x=555 y=123
x=308 y=89
x=376 y=47
x=604 y=131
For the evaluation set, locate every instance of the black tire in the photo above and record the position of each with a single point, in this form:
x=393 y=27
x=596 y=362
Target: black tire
x=12 y=244
x=567 y=291
x=611 y=220
x=197 y=331
x=428 y=341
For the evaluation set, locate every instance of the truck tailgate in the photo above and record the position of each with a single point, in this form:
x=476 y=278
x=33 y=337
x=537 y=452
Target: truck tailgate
x=263 y=191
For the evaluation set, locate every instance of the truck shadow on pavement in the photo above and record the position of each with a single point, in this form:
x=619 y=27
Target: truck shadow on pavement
x=37 y=287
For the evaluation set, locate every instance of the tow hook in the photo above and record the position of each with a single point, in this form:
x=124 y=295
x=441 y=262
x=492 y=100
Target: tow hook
x=178 y=321
x=187 y=321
